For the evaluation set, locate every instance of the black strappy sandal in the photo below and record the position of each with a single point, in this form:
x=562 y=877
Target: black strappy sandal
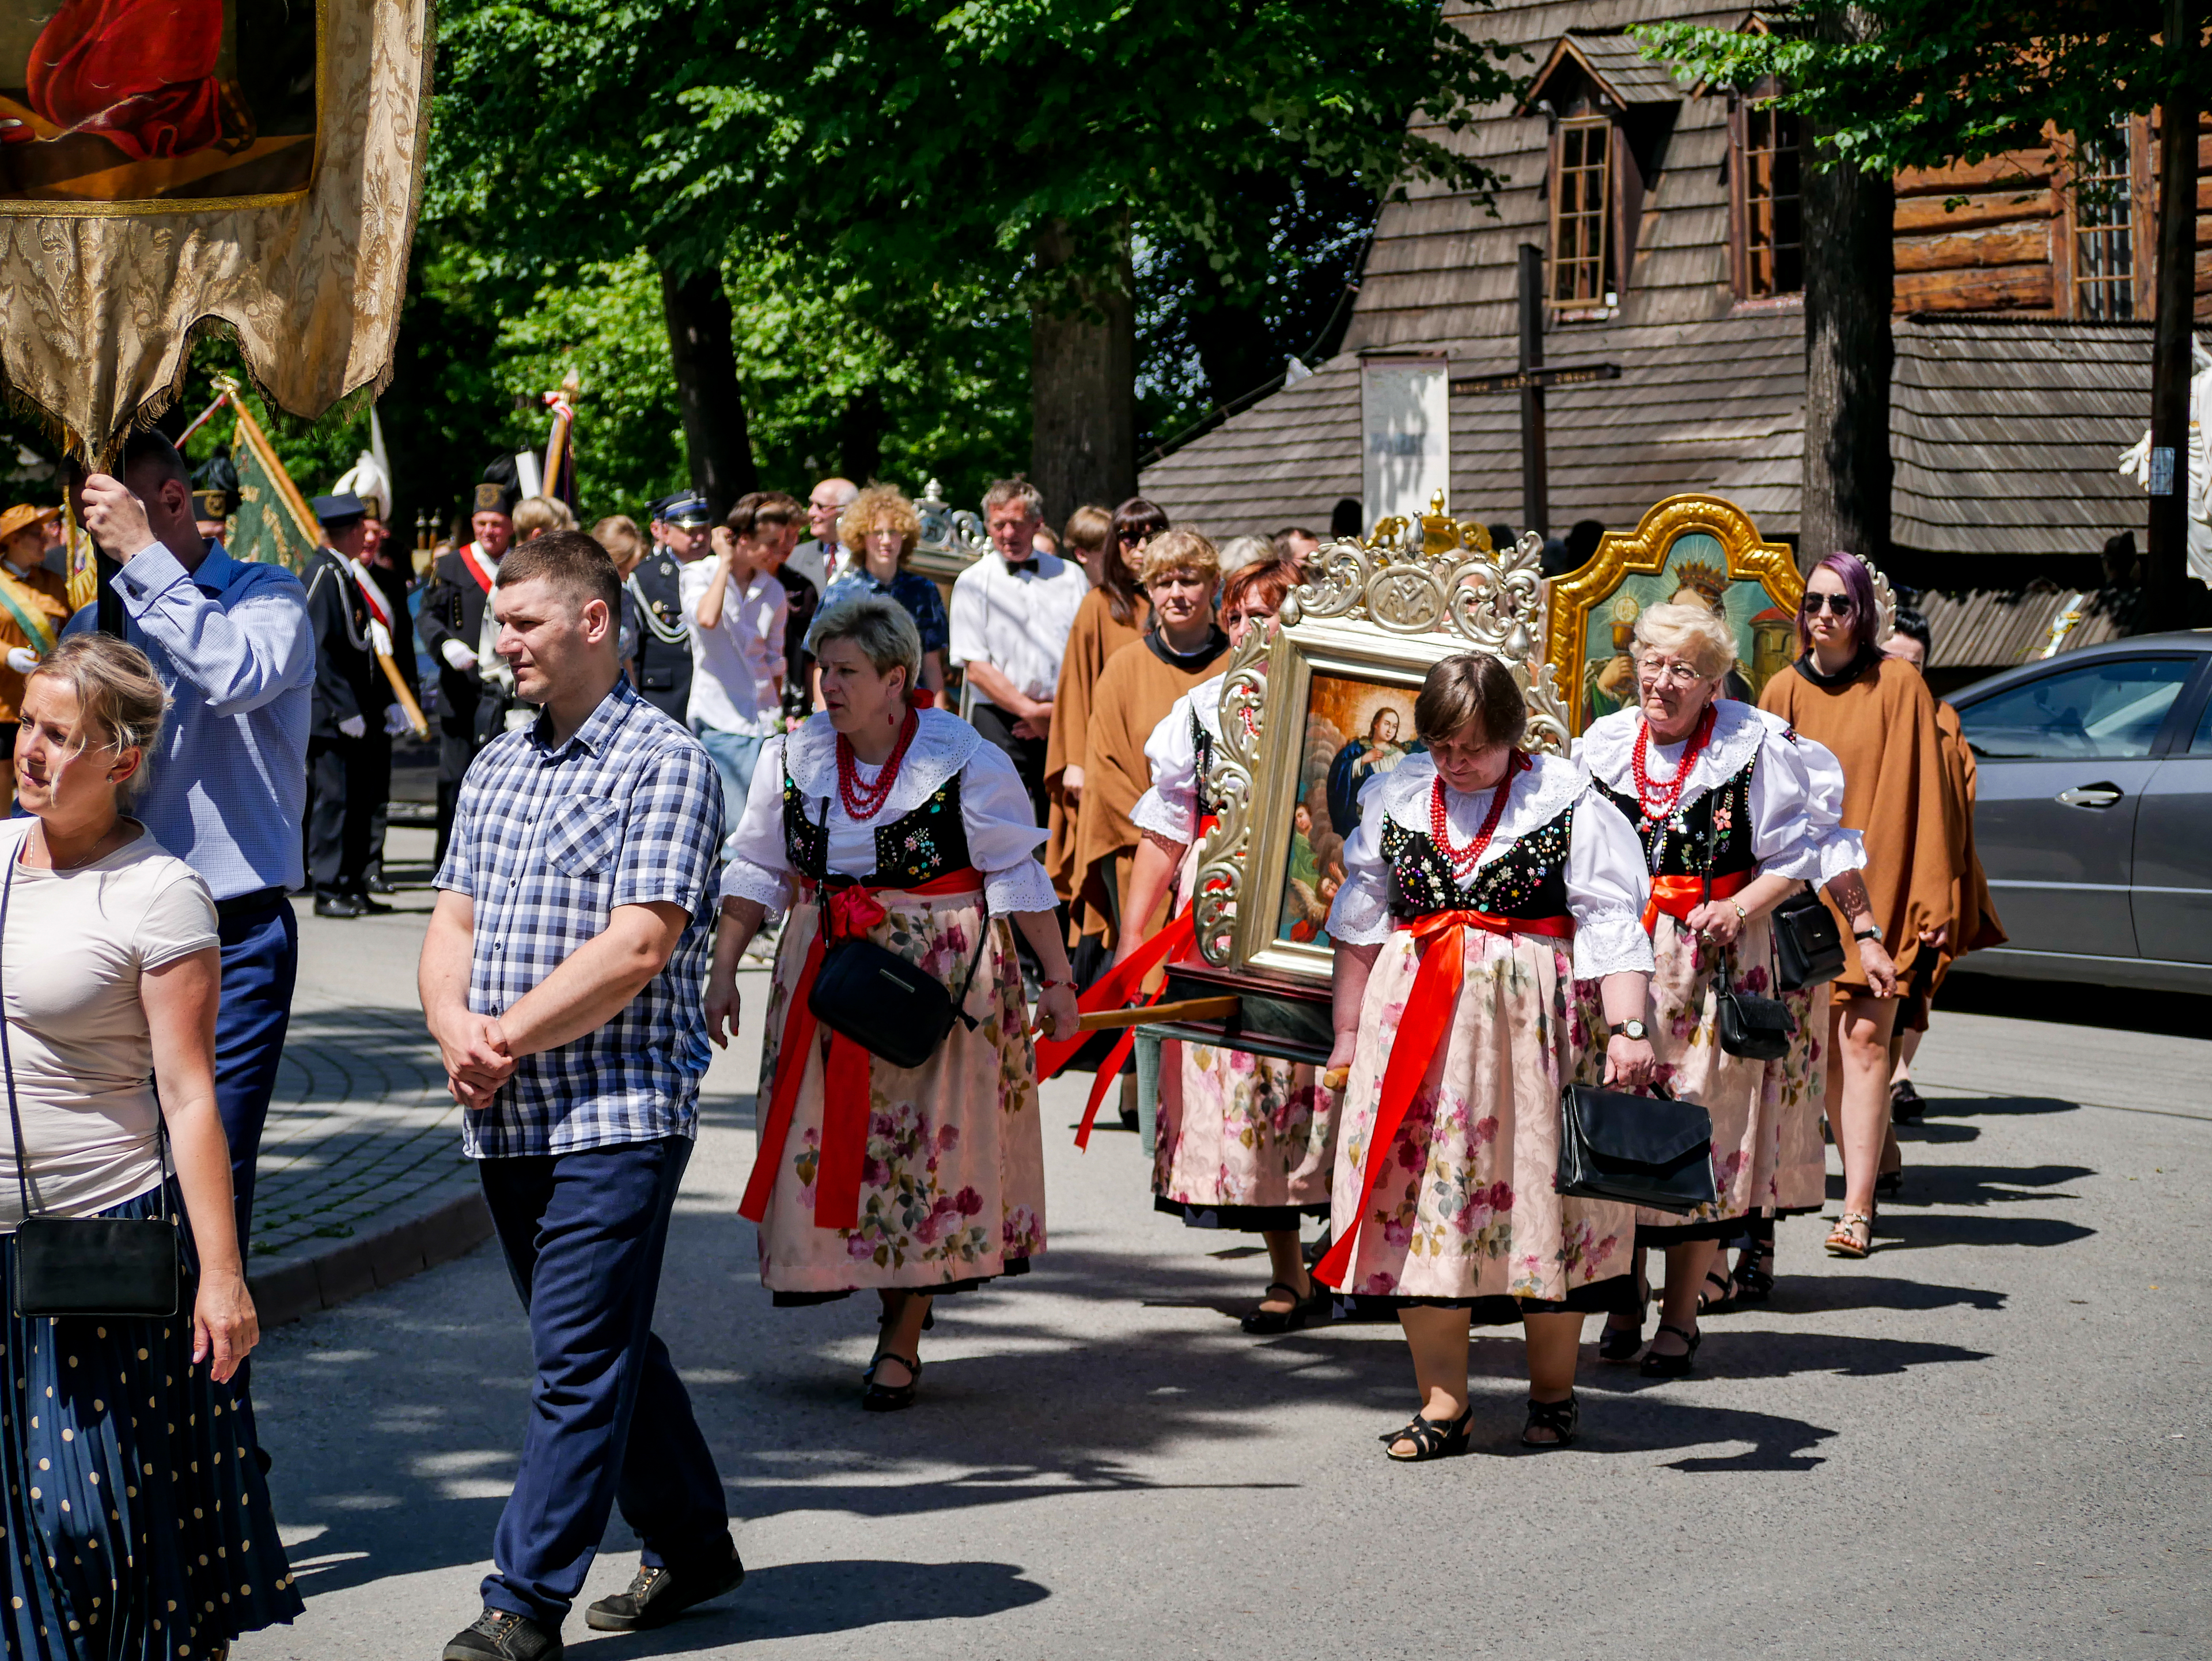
x=1709 y=1304
x=1619 y=1345
x=1754 y=1276
x=891 y=1398
x=1656 y=1366
x=1563 y=1419
x=1263 y=1323
x=1431 y=1441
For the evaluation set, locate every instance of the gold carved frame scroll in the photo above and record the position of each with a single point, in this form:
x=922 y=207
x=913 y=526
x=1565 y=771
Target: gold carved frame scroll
x=1360 y=636
x=1698 y=545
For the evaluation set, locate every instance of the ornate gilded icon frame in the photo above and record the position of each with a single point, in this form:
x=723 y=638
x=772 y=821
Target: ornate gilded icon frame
x=1380 y=613
x=1646 y=552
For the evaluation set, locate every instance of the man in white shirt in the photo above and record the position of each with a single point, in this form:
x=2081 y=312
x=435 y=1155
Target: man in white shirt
x=1011 y=610
x=737 y=611
x=821 y=556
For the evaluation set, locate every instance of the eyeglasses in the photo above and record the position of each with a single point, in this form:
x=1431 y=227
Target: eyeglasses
x=1840 y=605
x=1662 y=669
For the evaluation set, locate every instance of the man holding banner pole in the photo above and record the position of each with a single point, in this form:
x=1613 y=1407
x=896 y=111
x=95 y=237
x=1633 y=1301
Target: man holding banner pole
x=228 y=780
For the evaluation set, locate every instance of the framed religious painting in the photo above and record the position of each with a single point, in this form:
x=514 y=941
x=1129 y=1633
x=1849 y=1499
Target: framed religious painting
x=1689 y=548
x=118 y=106
x=1312 y=715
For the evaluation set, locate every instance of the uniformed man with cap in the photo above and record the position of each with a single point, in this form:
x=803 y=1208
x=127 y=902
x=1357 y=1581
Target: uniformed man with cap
x=680 y=529
x=214 y=494
x=451 y=624
x=348 y=734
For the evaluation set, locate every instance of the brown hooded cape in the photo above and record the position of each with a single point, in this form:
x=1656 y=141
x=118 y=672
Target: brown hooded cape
x=1880 y=721
x=1094 y=637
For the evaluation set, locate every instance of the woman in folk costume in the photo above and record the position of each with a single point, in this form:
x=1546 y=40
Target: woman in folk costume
x=1245 y=1142
x=1480 y=885
x=1875 y=714
x=878 y=820
x=1182 y=648
x=1734 y=812
x=1114 y=614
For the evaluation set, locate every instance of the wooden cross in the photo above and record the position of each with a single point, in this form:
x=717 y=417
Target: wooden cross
x=1529 y=380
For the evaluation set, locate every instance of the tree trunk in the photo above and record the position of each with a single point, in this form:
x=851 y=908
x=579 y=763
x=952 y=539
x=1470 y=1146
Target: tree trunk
x=2165 y=568
x=1850 y=285
x=714 y=405
x=1083 y=382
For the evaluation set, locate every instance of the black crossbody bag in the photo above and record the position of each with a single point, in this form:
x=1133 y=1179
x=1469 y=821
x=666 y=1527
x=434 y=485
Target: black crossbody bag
x=1808 y=947
x=65 y=1266
x=871 y=994
x=1648 y=1151
x=1757 y=1029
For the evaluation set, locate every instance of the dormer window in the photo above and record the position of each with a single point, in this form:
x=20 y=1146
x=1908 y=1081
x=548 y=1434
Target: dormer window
x=1766 y=223
x=1611 y=112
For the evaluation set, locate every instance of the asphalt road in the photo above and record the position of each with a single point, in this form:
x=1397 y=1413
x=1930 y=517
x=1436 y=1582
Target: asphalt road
x=1991 y=1439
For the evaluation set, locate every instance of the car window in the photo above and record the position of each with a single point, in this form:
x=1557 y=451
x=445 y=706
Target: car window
x=2110 y=708
x=2202 y=744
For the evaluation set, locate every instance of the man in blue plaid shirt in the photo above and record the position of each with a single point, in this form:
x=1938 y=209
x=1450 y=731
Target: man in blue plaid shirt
x=561 y=979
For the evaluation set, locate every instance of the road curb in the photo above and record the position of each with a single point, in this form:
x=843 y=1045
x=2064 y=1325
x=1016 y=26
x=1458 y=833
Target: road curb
x=433 y=1229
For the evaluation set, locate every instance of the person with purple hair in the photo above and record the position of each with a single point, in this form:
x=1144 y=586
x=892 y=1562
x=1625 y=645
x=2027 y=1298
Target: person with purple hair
x=1877 y=716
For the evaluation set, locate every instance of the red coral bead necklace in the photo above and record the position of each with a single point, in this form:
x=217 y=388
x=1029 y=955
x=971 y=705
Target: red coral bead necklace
x=1658 y=800
x=862 y=800
x=1464 y=860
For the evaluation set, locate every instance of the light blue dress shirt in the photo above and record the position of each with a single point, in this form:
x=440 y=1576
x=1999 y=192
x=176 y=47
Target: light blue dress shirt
x=227 y=786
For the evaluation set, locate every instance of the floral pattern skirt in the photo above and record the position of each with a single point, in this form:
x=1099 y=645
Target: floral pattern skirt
x=1750 y=1101
x=1245 y=1141
x=1801 y=1179
x=1466 y=1212
x=952 y=1185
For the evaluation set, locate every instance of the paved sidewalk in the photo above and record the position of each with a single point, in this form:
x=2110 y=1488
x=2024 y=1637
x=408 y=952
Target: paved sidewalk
x=362 y=1180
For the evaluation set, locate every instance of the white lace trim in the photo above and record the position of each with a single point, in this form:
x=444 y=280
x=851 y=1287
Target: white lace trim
x=942 y=745
x=1612 y=943
x=1023 y=887
x=1152 y=814
x=1537 y=797
x=743 y=880
x=1607 y=750
x=1357 y=917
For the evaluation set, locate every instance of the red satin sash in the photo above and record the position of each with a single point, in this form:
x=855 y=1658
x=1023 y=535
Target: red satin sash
x=1114 y=991
x=1441 y=942
x=855 y=912
x=1679 y=896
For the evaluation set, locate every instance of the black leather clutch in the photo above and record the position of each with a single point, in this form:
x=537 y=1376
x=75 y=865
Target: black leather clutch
x=1649 y=1151
x=1757 y=1029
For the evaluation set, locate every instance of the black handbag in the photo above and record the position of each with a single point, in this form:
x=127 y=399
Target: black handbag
x=65 y=1266
x=1648 y=1151
x=891 y=1008
x=1808 y=947
x=1757 y=1029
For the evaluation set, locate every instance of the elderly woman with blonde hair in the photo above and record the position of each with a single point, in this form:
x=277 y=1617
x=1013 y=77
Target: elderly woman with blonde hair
x=1734 y=812
x=880 y=528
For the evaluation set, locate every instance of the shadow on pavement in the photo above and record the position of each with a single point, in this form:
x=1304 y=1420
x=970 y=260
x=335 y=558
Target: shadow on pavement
x=799 y=1600
x=1985 y=1184
x=1969 y=1107
x=2125 y=1009
x=1907 y=1231
x=1807 y=1294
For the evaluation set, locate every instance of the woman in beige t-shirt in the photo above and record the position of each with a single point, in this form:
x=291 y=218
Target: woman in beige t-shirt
x=142 y=1490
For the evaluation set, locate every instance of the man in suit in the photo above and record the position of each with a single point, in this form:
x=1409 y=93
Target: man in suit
x=680 y=528
x=349 y=736
x=451 y=624
x=821 y=556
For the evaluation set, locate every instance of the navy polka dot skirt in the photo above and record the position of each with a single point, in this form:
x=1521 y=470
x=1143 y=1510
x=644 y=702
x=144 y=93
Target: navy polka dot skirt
x=136 y=1524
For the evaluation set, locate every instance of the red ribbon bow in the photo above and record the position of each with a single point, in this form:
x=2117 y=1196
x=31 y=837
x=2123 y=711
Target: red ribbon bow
x=853 y=913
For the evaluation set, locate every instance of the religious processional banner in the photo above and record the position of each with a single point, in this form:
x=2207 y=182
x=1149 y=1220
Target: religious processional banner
x=272 y=525
x=166 y=164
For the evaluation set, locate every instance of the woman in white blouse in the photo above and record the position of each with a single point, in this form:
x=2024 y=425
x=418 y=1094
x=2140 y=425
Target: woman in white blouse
x=1736 y=813
x=902 y=826
x=137 y=1503
x=1245 y=1142
x=1481 y=883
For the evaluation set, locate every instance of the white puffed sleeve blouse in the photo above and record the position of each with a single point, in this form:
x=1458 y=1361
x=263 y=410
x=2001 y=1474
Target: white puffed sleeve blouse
x=1170 y=808
x=995 y=812
x=1607 y=883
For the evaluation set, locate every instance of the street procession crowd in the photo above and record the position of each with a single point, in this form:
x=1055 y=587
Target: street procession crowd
x=662 y=752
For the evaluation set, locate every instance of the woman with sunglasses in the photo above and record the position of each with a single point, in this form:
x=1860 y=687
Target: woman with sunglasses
x=1875 y=714
x=1736 y=813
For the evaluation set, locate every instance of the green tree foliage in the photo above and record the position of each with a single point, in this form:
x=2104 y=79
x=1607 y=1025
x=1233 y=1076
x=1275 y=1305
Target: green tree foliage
x=1944 y=81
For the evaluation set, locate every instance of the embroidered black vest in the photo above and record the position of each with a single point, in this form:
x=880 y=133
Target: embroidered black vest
x=1530 y=879
x=913 y=849
x=1718 y=826
x=1202 y=747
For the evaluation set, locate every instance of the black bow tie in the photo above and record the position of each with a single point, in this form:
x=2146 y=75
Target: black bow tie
x=1016 y=566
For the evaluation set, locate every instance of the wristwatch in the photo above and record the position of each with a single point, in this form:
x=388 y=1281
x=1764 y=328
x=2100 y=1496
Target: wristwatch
x=1635 y=1030
x=1866 y=933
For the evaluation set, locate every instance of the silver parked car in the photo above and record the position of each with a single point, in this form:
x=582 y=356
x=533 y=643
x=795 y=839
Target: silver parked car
x=2093 y=816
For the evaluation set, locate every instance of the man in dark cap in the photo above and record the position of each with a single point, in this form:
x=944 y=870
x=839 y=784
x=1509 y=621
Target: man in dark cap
x=214 y=494
x=681 y=525
x=349 y=738
x=451 y=624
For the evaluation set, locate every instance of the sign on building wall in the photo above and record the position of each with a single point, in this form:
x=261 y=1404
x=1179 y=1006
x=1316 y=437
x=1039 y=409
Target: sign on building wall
x=1405 y=425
